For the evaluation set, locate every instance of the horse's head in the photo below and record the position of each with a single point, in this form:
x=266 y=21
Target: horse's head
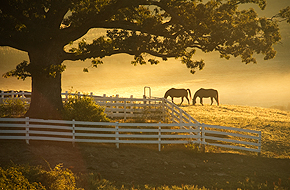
x=193 y=101
x=166 y=95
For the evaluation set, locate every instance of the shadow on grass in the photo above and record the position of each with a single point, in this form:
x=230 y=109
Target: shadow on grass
x=137 y=165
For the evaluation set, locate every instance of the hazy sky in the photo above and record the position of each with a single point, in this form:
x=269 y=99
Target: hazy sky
x=264 y=84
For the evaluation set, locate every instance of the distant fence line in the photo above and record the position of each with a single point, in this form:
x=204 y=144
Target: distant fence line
x=26 y=95
x=184 y=129
x=118 y=107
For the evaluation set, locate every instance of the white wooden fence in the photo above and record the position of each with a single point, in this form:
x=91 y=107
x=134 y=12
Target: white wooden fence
x=153 y=107
x=184 y=129
x=230 y=137
x=118 y=107
x=25 y=95
x=98 y=132
x=177 y=114
x=133 y=133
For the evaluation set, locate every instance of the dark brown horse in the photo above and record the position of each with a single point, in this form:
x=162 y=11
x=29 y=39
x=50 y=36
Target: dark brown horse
x=206 y=93
x=173 y=92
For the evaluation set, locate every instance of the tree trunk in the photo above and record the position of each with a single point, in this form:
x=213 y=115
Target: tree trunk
x=46 y=102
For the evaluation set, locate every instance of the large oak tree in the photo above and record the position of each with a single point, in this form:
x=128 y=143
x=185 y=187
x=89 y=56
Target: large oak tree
x=160 y=28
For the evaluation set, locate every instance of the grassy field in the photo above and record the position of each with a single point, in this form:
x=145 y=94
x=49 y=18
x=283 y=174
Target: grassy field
x=274 y=124
x=102 y=166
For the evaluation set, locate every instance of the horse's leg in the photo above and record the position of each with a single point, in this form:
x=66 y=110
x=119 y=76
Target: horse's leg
x=201 y=101
x=181 y=100
x=217 y=101
x=211 y=98
x=172 y=100
x=187 y=99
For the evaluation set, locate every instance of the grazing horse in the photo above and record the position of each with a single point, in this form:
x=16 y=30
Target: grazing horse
x=206 y=93
x=173 y=92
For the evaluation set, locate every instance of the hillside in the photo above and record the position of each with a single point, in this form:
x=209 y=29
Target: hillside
x=137 y=165
x=274 y=124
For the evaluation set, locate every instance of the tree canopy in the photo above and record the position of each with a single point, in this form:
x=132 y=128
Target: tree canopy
x=161 y=28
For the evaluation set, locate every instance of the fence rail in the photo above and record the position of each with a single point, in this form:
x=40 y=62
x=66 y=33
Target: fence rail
x=177 y=114
x=98 y=132
x=130 y=133
x=24 y=95
x=118 y=107
x=230 y=137
x=184 y=129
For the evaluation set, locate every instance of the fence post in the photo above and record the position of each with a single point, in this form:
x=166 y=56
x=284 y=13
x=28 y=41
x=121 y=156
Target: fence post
x=172 y=112
x=22 y=94
x=66 y=96
x=125 y=109
x=117 y=107
x=2 y=96
x=259 y=141
x=131 y=107
x=202 y=138
x=73 y=132
x=163 y=109
x=27 y=129
x=144 y=100
x=180 y=116
x=117 y=134
x=159 y=137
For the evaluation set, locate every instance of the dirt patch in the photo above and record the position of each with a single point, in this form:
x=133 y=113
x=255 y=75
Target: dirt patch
x=140 y=164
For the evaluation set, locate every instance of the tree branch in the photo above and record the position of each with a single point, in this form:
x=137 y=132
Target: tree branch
x=56 y=13
x=74 y=32
x=102 y=20
x=75 y=57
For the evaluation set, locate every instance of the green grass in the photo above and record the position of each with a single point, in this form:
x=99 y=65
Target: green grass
x=273 y=123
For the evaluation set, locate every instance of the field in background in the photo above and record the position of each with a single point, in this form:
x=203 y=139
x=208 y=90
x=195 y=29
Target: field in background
x=274 y=124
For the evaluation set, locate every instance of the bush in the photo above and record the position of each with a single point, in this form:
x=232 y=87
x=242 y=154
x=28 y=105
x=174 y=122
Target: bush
x=58 y=178
x=31 y=177
x=13 y=178
x=13 y=107
x=83 y=108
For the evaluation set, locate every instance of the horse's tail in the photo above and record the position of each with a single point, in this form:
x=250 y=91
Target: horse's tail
x=189 y=93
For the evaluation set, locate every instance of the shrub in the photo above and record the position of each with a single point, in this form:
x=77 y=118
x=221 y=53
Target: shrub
x=13 y=178
x=83 y=108
x=13 y=107
x=58 y=178
x=31 y=177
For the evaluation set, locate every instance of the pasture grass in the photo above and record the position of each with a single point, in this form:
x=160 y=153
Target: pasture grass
x=23 y=177
x=273 y=123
